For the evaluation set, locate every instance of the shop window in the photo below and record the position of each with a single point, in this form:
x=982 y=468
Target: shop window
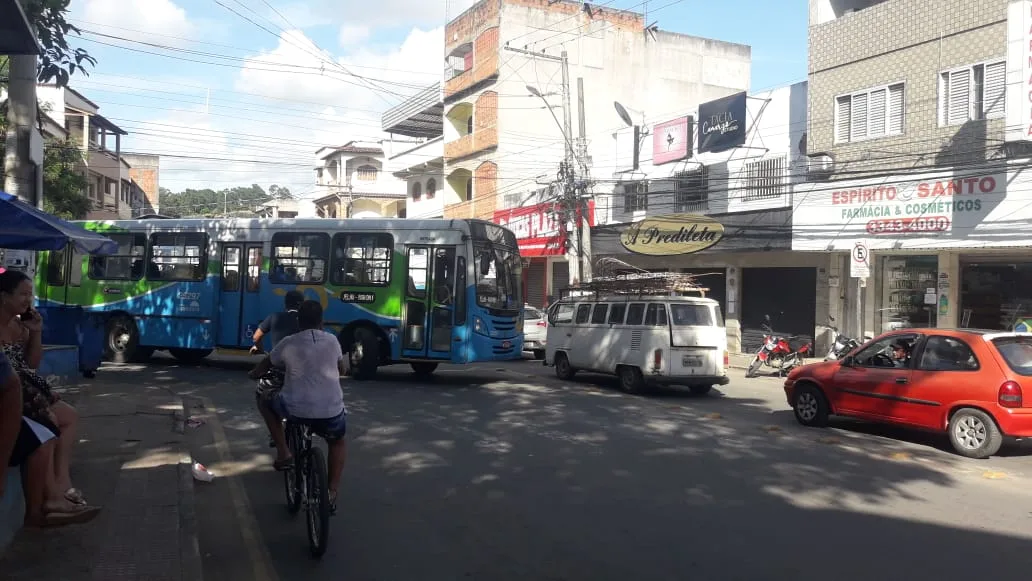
x=362 y=259
x=299 y=258
x=126 y=263
x=691 y=190
x=869 y=114
x=178 y=256
x=974 y=92
x=636 y=197
x=996 y=295
x=947 y=354
x=906 y=281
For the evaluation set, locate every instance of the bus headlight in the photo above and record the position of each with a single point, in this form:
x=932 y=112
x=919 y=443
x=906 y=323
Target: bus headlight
x=478 y=325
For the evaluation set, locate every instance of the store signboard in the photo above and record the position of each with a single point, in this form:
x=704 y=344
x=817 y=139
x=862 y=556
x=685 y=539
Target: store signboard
x=722 y=123
x=671 y=234
x=940 y=210
x=1019 y=70
x=672 y=140
x=537 y=228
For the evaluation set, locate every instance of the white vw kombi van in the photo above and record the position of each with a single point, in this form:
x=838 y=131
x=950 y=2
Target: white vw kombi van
x=644 y=340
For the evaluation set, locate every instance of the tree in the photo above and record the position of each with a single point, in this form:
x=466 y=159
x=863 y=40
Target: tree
x=280 y=193
x=63 y=182
x=58 y=61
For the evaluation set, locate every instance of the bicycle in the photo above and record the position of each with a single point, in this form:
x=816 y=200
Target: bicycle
x=307 y=484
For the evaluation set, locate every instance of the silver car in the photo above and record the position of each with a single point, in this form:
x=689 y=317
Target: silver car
x=535 y=329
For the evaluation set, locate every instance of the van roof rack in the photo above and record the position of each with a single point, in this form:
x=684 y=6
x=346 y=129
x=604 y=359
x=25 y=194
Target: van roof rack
x=638 y=284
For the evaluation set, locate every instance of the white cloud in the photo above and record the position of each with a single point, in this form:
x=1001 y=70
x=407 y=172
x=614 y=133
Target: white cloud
x=137 y=18
x=382 y=13
x=351 y=35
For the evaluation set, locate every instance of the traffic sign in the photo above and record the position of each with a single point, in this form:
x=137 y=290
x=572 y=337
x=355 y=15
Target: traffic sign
x=859 y=265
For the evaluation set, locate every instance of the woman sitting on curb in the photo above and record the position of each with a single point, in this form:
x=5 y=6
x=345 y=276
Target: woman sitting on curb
x=21 y=329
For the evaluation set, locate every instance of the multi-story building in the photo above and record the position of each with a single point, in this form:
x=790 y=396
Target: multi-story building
x=918 y=138
x=726 y=212
x=351 y=182
x=145 y=173
x=416 y=151
x=503 y=99
x=109 y=185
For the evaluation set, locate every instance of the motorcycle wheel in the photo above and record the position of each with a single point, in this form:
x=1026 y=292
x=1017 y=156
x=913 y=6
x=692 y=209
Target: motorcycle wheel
x=754 y=366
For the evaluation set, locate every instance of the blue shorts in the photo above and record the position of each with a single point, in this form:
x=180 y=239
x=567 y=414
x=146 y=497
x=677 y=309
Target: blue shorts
x=330 y=429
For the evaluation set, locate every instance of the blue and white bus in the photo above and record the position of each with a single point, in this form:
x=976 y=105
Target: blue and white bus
x=422 y=292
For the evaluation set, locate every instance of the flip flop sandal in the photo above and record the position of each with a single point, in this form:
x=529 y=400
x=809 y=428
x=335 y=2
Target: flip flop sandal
x=58 y=519
x=283 y=465
x=74 y=496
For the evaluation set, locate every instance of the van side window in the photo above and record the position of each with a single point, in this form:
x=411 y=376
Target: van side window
x=562 y=313
x=598 y=316
x=616 y=314
x=583 y=312
x=655 y=316
x=635 y=311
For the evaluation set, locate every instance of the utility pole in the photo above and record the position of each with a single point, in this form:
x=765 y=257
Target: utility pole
x=583 y=208
x=20 y=177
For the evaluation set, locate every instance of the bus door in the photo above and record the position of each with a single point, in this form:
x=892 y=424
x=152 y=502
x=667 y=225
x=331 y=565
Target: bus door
x=239 y=306
x=429 y=302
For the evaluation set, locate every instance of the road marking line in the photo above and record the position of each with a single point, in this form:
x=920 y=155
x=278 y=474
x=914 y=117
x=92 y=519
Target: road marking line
x=261 y=561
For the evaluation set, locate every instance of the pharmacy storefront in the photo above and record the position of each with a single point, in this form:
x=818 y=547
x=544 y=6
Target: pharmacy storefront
x=945 y=248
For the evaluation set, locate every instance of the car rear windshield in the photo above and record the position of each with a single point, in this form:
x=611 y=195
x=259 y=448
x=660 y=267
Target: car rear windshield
x=530 y=314
x=1017 y=352
x=692 y=315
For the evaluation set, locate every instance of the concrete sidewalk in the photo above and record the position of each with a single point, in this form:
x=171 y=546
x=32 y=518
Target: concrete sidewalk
x=742 y=361
x=132 y=458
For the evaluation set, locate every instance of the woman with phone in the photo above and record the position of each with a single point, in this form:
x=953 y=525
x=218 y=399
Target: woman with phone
x=21 y=331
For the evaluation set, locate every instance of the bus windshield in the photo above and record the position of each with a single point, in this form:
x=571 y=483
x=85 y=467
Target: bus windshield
x=499 y=273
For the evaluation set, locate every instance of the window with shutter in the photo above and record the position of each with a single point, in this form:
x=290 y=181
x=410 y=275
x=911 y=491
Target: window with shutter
x=877 y=113
x=896 y=104
x=858 y=123
x=994 y=90
x=959 y=93
x=843 y=111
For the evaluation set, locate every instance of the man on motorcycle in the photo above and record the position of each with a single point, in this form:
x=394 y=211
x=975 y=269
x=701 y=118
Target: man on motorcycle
x=277 y=326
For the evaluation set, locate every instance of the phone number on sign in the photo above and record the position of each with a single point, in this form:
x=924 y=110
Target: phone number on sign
x=907 y=225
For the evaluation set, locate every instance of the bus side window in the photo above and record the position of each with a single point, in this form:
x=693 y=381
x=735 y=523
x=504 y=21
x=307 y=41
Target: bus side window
x=616 y=314
x=635 y=311
x=560 y=313
x=56 y=266
x=179 y=256
x=583 y=312
x=299 y=258
x=120 y=265
x=656 y=315
x=598 y=315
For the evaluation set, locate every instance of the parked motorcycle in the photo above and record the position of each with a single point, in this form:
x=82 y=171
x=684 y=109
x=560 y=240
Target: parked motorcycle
x=779 y=353
x=842 y=344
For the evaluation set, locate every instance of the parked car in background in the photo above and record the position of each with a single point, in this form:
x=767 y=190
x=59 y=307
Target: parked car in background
x=535 y=331
x=967 y=383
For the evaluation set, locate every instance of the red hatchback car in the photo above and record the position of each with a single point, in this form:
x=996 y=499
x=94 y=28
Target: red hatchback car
x=966 y=383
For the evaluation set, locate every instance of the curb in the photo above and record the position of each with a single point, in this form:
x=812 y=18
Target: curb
x=189 y=544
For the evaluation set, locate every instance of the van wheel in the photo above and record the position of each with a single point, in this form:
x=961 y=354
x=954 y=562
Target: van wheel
x=563 y=369
x=364 y=353
x=974 y=434
x=631 y=379
x=700 y=389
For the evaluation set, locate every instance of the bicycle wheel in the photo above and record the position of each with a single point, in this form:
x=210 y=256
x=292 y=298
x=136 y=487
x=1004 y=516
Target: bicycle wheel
x=318 y=501
x=292 y=478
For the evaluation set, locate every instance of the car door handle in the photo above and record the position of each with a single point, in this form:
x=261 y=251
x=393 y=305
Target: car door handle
x=901 y=380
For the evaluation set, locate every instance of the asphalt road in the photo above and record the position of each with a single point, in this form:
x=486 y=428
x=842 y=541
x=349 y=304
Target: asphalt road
x=502 y=472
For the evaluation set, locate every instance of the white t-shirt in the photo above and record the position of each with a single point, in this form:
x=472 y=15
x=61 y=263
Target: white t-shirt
x=311 y=388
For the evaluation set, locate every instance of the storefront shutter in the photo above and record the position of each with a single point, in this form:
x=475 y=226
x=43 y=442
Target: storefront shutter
x=536 y=283
x=994 y=90
x=560 y=278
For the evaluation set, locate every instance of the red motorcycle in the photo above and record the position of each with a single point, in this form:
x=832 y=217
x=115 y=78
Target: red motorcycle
x=779 y=353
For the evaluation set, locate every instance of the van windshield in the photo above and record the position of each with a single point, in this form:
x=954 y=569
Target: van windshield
x=1017 y=352
x=687 y=315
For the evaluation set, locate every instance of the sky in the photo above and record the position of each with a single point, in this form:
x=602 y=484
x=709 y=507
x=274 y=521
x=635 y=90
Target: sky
x=235 y=92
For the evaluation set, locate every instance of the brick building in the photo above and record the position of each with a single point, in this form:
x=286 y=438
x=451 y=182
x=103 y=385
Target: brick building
x=145 y=172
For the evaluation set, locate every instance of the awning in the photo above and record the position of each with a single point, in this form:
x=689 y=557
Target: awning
x=23 y=227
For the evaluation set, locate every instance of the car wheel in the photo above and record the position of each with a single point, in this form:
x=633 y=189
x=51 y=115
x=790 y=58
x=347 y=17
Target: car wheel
x=631 y=379
x=563 y=369
x=974 y=434
x=539 y=354
x=810 y=406
x=700 y=389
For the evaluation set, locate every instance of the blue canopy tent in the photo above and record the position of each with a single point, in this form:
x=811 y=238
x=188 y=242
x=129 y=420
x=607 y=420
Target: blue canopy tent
x=24 y=227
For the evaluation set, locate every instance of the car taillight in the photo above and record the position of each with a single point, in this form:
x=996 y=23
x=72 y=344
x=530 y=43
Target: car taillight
x=1010 y=395
x=657 y=359
x=727 y=360
x=542 y=323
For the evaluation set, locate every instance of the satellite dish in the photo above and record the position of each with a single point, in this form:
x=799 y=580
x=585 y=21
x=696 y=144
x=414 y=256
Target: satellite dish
x=622 y=112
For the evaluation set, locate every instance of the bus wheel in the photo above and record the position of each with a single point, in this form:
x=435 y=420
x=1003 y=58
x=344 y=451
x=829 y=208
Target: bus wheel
x=123 y=339
x=423 y=368
x=364 y=353
x=190 y=356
